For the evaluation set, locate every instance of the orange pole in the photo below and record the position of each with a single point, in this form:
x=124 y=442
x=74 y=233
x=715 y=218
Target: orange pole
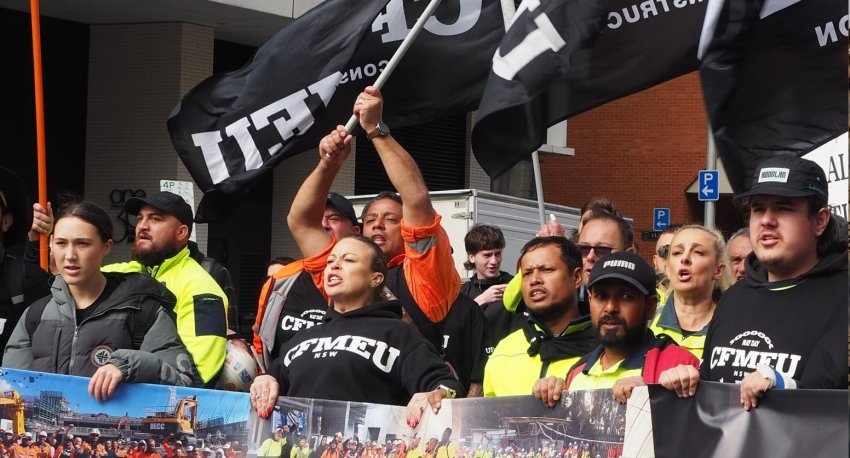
x=39 y=121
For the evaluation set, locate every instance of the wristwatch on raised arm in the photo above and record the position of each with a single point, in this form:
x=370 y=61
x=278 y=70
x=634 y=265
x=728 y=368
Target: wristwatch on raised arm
x=380 y=130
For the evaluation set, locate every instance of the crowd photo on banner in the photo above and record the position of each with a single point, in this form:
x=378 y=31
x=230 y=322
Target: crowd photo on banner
x=377 y=300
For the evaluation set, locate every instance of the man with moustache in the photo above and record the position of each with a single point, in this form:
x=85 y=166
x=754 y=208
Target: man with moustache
x=164 y=223
x=555 y=335
x=622 y=296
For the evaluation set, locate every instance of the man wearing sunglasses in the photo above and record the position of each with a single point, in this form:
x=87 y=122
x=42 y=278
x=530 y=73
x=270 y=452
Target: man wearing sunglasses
x=601 y=235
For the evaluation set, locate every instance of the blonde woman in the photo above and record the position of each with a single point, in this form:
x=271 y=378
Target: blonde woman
x=698 y=273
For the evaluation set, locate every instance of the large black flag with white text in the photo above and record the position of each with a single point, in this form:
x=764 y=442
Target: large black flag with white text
x=303 y=81
x=531 y=88
x=774 y=76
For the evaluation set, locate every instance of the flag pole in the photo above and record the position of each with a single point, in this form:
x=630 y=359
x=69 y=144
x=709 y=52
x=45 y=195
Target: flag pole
x=538 y=185
x=710 y=164
x=508 y=12
x=399 y=53
x=39 y=123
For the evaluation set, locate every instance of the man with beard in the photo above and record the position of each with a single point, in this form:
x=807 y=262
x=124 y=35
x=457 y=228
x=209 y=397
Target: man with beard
x=164 y=223
x=621 y=287
x=555 y=335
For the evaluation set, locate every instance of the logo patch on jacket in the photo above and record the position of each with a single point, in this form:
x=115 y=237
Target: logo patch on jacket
x=100 y=355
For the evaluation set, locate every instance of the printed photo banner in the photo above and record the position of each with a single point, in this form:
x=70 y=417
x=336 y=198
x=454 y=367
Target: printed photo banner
x=52 y=403
x=584 y=422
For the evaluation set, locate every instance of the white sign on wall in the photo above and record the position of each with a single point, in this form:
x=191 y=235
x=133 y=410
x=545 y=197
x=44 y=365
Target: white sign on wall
x=184 y=189
x=832 y=157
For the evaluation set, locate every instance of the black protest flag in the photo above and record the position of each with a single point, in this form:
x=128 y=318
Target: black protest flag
x=233 y=126
x=642 y=44
x=774 y=77
x=303 y=82
x=444 y=71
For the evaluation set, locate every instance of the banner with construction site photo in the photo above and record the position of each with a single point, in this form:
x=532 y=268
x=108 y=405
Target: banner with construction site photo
x=151 y=421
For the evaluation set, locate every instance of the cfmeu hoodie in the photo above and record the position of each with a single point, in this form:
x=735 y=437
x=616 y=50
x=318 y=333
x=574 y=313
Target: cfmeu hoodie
x=796 y=327
x=364 y=355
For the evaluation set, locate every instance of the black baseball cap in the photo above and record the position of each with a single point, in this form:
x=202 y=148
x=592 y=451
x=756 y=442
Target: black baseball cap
x=626 y=266
x=788 y=176
x=343 y=206
x=165 y=201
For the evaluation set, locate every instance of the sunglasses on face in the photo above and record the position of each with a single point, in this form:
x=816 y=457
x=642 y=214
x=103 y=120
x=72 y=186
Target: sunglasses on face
x=599 y=250
x=663 y=251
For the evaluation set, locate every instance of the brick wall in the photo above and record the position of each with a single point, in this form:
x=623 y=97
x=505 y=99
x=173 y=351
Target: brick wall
x=641 y=151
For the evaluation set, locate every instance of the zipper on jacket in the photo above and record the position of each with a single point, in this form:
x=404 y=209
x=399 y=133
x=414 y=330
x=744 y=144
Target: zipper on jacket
x=139 y=297
x=73 y=345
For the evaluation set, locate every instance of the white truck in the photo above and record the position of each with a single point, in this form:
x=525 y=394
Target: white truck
x=518 y=218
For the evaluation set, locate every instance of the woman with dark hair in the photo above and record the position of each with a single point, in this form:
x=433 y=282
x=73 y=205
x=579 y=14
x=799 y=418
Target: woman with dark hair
x=364 y=351
x=112 y=327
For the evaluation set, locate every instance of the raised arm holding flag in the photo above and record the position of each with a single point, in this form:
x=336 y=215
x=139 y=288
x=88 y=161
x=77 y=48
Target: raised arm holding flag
x=300 y=84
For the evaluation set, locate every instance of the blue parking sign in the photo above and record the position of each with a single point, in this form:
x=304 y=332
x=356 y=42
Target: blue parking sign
x=709 y=185
x=660 y=218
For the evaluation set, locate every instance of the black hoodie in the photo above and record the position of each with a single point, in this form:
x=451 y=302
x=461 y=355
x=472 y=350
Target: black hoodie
x=365 y=355
x=795 y=326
